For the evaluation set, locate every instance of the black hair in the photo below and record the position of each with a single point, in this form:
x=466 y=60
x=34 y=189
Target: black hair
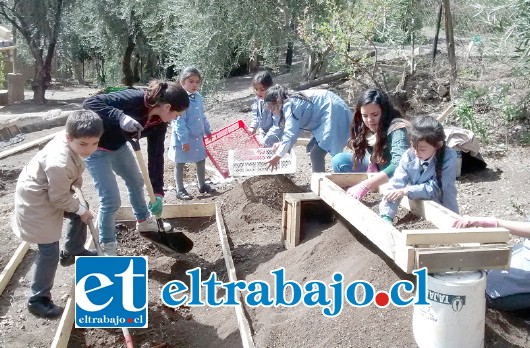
x=279 y=93
x=264 y=78
x=84 y=124
x=358 y=130
x=160 y=92
x=189 y=72
x=427 y=128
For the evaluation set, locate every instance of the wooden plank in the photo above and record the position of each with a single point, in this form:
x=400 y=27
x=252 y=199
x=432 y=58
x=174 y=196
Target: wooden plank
x=28 y=145
x=172 y=211
x=244 y=327
x=292 y=205
x=62 y=335
x=445 y=113
x=340 y=179
x=301 y=197
x=463 y=259
x=379 y=232
x=433 y=212
x=64 y=329
x=284 y=220
x=456 y=235
x=12 y=265
x=302 y=141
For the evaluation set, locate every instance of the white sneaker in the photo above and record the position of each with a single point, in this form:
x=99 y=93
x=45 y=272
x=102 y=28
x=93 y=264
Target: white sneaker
x=110 y=248
x=150 y=225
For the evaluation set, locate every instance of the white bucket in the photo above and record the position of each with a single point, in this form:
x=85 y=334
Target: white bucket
x=456 y=314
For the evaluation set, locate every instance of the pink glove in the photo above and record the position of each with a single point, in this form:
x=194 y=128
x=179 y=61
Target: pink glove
x=372 y=168
x=475 y=221
x=358 y=191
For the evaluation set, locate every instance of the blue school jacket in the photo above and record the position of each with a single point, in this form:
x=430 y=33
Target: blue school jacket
x=424 y=185
x=190 y=128
x=327 y=116
x=263 y=119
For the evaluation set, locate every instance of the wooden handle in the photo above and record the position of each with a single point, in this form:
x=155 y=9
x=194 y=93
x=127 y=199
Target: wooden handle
x=145 y=174
x=93 y=232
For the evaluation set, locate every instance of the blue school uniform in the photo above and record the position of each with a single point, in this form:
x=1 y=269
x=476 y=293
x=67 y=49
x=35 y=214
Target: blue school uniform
x=422 y=184
x=327 y=116
x=514 y=281
x=263 y=119
x=190 y=128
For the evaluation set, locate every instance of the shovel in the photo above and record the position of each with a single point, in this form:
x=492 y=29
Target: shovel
x=174 y=241
x=93 y=232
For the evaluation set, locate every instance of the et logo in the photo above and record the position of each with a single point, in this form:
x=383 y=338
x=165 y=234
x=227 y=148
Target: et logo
x=111 y=292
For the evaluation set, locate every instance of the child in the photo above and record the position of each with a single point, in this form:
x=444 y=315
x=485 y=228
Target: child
x=125 y=114
x=322 y=112
x=263 y=121
x=188 y=133
x=426 y=171
x=378 y=139
x=44 y=196
x=507 y=290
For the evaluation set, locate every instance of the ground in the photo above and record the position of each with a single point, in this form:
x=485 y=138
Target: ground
x=252 y=213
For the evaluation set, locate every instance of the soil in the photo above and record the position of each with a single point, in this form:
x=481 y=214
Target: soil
x=252 y=209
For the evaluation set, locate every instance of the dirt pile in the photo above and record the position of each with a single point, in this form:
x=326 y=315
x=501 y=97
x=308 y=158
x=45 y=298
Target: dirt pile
x=326 y=249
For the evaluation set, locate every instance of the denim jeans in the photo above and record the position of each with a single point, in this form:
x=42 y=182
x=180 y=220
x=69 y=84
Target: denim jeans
x=103 y=165
x=45 y=264
x=343 y=163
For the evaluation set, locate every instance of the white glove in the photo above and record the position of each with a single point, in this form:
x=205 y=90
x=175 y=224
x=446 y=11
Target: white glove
x=129 y=124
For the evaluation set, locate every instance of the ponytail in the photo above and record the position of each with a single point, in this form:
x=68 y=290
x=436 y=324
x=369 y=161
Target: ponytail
x=160 y=92
x=279 y=93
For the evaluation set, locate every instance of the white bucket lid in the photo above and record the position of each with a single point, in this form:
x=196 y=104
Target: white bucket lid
x=459 y=277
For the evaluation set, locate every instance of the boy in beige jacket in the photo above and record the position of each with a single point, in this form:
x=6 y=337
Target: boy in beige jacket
x=44 y=196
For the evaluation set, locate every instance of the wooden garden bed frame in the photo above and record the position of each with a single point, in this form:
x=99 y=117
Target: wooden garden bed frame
x=124 y=213
x=465 y=249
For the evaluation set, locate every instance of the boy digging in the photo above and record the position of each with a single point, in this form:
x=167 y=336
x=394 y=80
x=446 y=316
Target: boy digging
x=44 y=195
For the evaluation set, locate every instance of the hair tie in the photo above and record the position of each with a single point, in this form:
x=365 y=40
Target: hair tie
x=164 y=85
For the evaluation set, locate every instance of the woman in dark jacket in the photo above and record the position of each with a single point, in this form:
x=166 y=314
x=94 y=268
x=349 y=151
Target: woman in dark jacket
x=125 y=113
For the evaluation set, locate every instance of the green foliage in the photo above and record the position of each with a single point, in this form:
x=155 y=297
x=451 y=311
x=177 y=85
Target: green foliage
x=500 y=97
x=2 y=74
x=465 y=111
x=465 y=115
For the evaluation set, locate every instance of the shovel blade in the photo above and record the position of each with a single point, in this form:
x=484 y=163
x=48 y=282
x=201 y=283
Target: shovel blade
x=176 y=242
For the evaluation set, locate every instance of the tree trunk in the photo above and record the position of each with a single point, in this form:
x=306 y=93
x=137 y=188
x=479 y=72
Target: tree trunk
x=450 y=48
x=40 y=83
x=289 y=55
x=128 y=76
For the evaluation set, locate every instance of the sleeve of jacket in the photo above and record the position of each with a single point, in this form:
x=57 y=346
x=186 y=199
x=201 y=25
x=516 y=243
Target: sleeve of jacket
x=449 y=180
x=291 y=130
x=181 y=130
x=254 y=122
x=60 y=178
x=398 y=145
x=104 y=106
x=155 y=156
x=400 y=179
x=207 y=127
x=274 y=135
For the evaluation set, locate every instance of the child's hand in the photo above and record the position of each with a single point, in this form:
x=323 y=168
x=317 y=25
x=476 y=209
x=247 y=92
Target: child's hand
x=275 y=146
x=185 y=147
x=252 y=130
x=358 y=191
x=273 y=163
x=87 y=216
x=394 y=195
